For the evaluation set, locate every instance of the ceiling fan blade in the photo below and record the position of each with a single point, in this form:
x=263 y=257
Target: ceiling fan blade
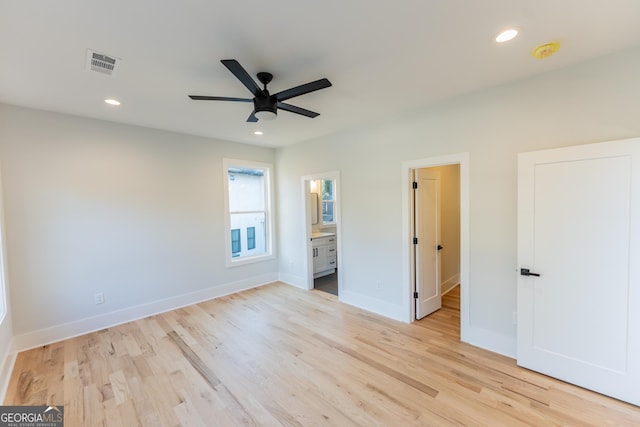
x=293 y=109
x=242 y=75
x=219 y=98
x=302 y=89
x=252 y=118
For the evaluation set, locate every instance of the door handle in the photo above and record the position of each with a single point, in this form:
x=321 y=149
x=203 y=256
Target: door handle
x=440 y=247
x=526 y=272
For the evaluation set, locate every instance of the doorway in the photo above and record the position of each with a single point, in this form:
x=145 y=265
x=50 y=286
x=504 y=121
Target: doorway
x=409 y=168
x=436 y=224
x=323 y=231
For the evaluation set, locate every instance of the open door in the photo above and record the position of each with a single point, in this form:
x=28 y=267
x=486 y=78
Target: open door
x=579 y=266
x=426 y=242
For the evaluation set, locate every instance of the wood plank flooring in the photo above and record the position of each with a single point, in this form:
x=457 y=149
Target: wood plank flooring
x=280 y=356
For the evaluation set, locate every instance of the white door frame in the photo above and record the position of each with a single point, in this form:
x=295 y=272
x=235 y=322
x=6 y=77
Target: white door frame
x=306 y=200
x=407 y=237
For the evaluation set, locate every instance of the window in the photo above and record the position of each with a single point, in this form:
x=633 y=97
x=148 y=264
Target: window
x=248 y=206
x=328 y=201
x=251 y=238
x=235 y=242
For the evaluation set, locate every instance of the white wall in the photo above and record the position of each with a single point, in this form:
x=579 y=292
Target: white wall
x=132 y=212
x=6 y=327
x=595 y=101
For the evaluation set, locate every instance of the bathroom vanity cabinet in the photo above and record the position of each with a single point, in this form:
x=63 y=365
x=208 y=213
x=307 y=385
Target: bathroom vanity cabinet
x=324 y=254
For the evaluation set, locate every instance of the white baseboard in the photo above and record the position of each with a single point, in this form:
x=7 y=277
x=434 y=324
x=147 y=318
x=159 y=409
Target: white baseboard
x=449 y=284
x=374 y=305
x=95 y=323
x=296 y=281
x=489 y=340
x=8 y=360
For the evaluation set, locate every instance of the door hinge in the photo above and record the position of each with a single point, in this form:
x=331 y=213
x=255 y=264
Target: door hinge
x=415 y=185
x=415 y=240
x=415 y=295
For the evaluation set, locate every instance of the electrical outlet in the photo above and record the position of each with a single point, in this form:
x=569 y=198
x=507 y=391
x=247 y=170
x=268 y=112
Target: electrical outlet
x=98 y=298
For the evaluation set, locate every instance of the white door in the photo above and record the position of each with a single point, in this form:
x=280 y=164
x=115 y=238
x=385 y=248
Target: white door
x=427 y=232
x=579 y=229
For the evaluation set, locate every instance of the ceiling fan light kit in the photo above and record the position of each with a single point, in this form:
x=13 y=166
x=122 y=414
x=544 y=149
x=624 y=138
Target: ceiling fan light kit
x=265 y=105
x=266 y=114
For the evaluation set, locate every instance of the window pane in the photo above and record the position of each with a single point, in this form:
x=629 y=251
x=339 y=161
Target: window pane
x=251 y=238
x=246 y=189
x=327 y=190
x=235 y=242
x=247 y=221
x=327 y=212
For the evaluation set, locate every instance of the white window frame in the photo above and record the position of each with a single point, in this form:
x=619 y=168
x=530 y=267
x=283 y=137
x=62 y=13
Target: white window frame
x=230 y=261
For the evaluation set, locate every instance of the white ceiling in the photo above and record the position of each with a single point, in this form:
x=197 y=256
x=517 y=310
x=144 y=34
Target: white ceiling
x=384 y=58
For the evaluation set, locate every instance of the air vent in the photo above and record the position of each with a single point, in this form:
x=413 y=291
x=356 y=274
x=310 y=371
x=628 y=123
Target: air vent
x=101 y=63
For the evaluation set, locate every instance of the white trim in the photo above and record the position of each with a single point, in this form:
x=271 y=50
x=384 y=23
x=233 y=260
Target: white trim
x=8 y=361
x=505 y=345
x=449 y=284
x=374 y=305
x=95 y=323
x=4 y=292
x=292 y=280
x=269 y=212
x=306 y=208
x=407 y=167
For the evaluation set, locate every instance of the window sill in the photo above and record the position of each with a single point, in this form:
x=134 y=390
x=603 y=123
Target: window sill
x=235 y=262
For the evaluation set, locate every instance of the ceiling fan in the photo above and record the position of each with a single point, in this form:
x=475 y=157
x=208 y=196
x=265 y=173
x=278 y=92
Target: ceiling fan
x=265 y=105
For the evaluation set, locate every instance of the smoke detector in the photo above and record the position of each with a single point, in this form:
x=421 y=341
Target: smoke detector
x=101 y=63
x=545 y=50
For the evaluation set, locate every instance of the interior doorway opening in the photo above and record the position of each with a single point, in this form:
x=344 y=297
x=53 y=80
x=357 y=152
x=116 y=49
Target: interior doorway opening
x=323 y=231
x=436 y=235
x=446 y=284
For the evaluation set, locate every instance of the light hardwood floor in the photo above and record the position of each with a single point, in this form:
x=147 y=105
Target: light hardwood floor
x=277 y=355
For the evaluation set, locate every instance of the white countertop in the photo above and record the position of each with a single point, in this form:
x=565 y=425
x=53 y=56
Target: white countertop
x=320 y=235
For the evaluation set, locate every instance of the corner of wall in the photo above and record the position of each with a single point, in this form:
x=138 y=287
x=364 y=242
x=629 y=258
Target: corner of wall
x=292 y=280
x=7 y=361
x=374 y=305
x=489 y=340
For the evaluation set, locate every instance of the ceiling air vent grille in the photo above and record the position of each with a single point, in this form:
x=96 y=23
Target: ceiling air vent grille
x=101 y=63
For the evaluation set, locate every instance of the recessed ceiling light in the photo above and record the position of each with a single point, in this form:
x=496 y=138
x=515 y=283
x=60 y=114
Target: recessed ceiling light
x=507 y=35
x=111 y=101
x=258 y=132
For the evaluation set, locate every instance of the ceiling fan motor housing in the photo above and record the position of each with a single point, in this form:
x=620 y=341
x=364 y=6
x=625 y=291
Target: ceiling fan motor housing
x=266 y=102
